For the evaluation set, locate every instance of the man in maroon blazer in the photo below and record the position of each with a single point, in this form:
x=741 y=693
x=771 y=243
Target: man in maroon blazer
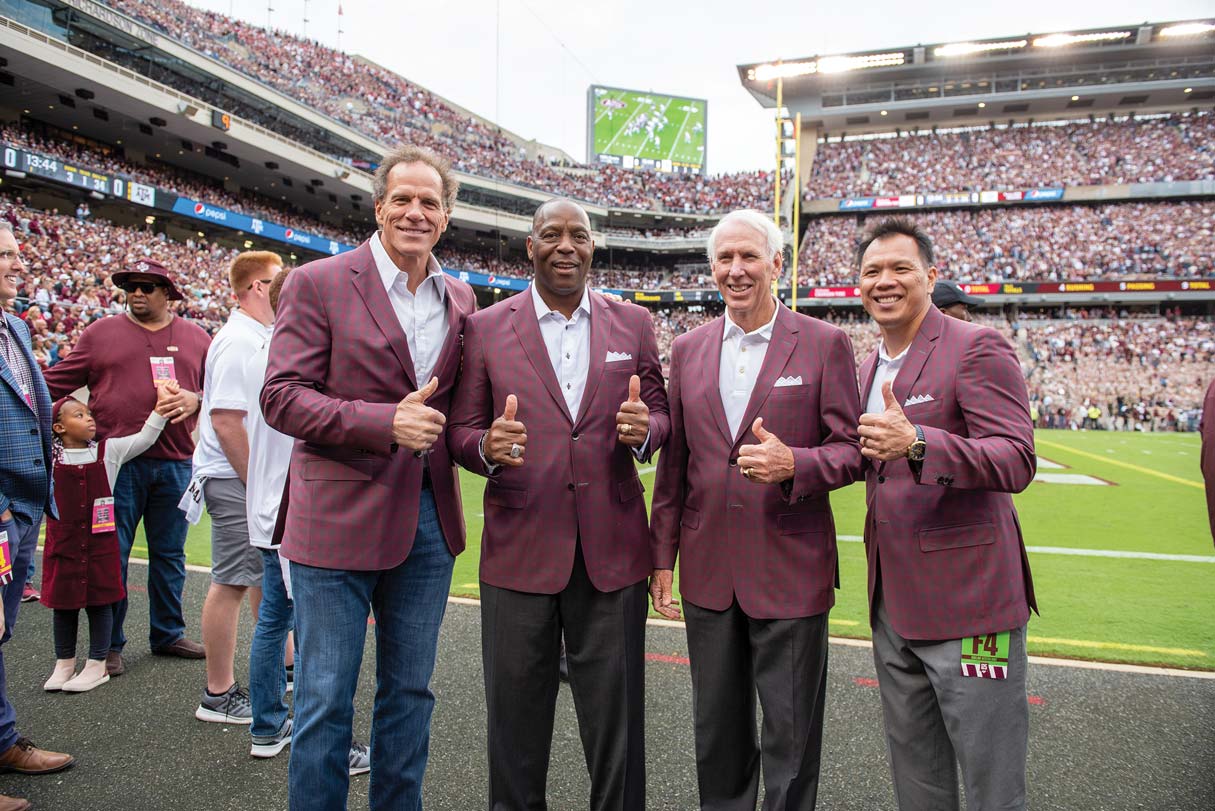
x=763 y=425
x=948 y=437
x=364 y=357
x=574 y=382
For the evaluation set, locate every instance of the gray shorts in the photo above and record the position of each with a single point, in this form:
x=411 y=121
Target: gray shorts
x=233 y=561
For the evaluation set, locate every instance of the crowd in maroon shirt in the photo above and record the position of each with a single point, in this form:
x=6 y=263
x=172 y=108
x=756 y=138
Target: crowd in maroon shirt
x=1170 y=148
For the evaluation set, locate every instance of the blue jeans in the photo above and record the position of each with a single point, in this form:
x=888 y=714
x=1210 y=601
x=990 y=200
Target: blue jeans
x=267 y=674
x=331 y=609
x=22 y=541
x=150 y=489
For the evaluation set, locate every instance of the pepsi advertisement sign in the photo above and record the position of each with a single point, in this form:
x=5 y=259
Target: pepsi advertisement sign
x=263 y=228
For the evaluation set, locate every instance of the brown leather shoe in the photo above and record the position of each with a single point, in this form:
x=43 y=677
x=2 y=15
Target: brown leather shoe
x=184 y=648
x=113 y=665
x=14 y=804
x=25 y=758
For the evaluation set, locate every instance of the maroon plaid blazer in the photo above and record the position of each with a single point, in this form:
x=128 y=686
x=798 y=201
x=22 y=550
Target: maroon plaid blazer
x=1207 y=455
x=770 y=546
x=578 y=483
x=339 y=364
x=948 y=548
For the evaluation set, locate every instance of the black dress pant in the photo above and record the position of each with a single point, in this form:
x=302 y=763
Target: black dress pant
x=604 y=643
x=734 y=657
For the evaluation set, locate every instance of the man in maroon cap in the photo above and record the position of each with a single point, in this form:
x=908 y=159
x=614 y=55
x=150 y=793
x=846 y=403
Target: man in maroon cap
x=120 y=358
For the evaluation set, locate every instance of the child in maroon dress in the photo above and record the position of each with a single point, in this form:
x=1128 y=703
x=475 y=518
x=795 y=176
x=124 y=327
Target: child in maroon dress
x=80 y=562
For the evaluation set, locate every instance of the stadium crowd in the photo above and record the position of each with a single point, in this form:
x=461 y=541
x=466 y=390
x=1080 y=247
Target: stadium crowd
x=1097 y=356
x=195 y=187
x=390 y=109
x=1055 y=243
x=1169 y=148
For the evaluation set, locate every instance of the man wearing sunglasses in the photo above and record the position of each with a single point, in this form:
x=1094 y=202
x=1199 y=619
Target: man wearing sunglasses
x=221 y=463
x=120 y=358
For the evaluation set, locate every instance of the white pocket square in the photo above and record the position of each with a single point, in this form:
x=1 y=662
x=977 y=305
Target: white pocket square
x=917 y=399
x=612 y=357
x=787 y=381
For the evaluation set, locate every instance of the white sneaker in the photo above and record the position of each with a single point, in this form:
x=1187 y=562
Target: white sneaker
x=359 y=758
x=91 y=675
x=61 y=675
x=271 y=745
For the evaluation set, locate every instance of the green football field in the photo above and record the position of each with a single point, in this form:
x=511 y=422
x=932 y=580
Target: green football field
x=1143 y=497
x=676 y=131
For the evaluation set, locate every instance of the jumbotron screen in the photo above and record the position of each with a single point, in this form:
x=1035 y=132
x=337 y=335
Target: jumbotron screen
x=637 y=130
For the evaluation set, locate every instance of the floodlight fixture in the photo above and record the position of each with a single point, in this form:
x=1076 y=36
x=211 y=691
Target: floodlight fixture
x=1058 y=40
x=1187 y=29
x=826 y=64
x=965 y=48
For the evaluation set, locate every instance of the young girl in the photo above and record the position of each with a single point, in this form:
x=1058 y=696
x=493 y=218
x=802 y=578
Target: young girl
x=81 y=566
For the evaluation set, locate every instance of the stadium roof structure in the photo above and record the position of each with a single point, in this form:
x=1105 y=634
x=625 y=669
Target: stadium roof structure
x=1141 y=68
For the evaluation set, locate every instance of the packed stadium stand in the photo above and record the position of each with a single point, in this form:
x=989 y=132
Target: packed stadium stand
x=1087 y=228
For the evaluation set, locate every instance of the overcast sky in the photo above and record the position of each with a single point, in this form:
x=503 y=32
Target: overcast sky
x=526 y=64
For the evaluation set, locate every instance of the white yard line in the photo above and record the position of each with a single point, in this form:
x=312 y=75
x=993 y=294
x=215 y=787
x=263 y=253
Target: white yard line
x=1092 y=553
x=675 y=143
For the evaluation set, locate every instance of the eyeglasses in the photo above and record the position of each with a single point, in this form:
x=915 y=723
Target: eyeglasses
x=143 y=287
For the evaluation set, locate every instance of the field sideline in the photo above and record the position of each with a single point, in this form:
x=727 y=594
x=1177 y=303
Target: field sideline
x=1118 y=609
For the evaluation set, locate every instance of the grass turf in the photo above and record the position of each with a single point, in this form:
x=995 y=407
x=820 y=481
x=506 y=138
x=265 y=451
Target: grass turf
x=1111 y=609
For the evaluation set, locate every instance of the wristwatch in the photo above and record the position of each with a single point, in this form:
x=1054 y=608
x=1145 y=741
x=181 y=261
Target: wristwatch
x=915 y=451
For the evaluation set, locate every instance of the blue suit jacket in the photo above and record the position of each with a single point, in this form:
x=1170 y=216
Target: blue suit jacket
x=25 y=439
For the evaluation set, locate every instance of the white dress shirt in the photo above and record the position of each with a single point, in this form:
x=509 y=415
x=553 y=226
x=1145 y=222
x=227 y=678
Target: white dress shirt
x=568 y=341
x=422 y=313
x=742 y=356
x=887 y=369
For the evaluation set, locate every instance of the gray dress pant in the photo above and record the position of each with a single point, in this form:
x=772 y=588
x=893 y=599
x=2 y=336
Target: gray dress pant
x=734 y=658
x=937 y=719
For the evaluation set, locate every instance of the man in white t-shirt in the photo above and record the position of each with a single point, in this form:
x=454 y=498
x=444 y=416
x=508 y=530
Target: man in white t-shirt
x=221 y=462
x=269 y=458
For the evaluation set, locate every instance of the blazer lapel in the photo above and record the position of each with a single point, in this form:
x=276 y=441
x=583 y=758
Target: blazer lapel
x=918 y=354
x=6 y=373
x=601 y=332
x=710 y=376
x=780 y=347
x=371 y=289
x=523 y=321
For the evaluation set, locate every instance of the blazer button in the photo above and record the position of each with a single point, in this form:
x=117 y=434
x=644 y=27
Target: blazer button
x=33 y=430
x=881 y=479
x=733 y=463
x=574 y=436
x=569 y=486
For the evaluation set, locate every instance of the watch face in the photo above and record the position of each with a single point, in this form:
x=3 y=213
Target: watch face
x=916 y=452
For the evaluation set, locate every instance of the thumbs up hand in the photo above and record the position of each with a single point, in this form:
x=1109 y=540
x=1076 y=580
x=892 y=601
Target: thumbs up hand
x=506 y=439
x=769 y=462
x=887 y=435
x=416 y=425
x=633 y=418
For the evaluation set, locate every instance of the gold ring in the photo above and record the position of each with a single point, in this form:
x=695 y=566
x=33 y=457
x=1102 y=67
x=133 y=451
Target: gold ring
x=747 y=472
x=625 y=430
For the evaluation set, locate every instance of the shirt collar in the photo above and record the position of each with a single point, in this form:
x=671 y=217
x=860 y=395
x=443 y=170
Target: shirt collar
x=389 y=272
x=543 y=310
x=250 y=322
x=764 y=332
x=885 y=358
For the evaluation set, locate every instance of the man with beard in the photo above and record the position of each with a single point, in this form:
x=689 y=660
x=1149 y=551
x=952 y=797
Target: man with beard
x=120 y=358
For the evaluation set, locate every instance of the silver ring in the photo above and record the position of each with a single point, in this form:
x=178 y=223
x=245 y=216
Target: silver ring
x=516 y=450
